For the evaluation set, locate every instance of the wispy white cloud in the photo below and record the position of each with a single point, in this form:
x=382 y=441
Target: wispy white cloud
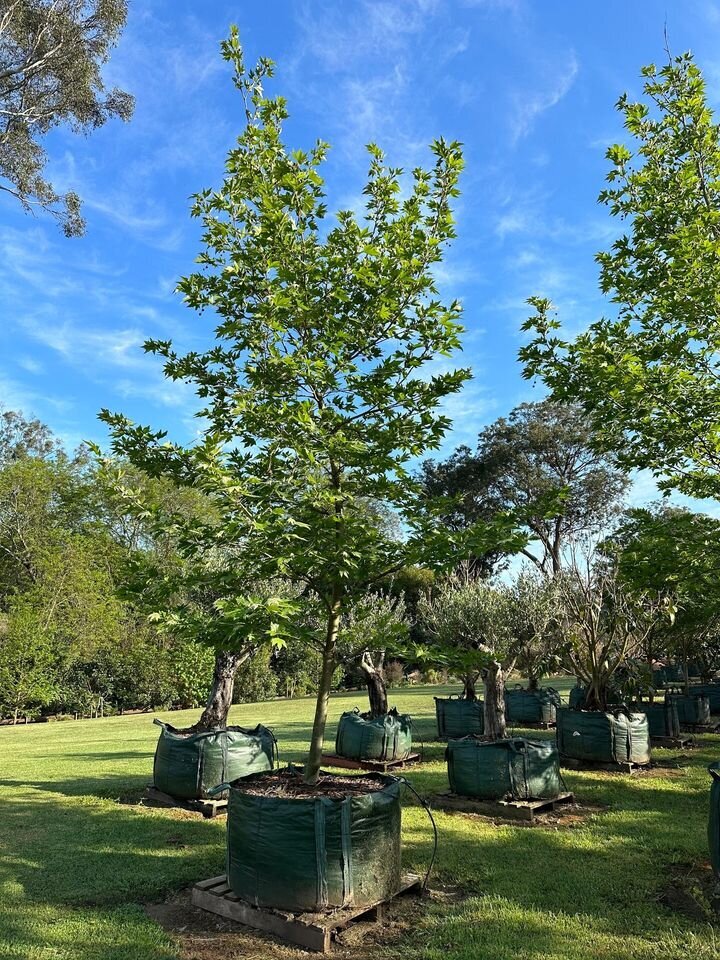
x=529 y=105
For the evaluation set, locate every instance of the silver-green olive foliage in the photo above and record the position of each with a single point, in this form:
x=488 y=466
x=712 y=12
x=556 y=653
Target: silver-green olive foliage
x=51 y=59
x=650 y=377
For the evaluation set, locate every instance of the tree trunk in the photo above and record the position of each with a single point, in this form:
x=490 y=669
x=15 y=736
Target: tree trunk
x=469 y=692
x=533 y=684
x=494 y=682
x=375 y=682
x=219 y=701
x=314 y=760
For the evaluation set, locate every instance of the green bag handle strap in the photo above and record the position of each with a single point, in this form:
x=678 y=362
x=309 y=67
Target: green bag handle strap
x=160 y=723
x=714 y=771
x=220 y=788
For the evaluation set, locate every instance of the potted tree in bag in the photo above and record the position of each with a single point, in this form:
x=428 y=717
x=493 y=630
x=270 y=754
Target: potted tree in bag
x=477 y=623
x=314 y=400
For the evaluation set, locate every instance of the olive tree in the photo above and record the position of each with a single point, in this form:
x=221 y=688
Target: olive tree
x=313 y=393
x=468 y=623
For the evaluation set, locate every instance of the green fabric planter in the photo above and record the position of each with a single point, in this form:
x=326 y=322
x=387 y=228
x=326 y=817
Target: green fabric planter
x=692 y=709
x=513 y=769
x=617 y=737
x=187 y=766
x=459 y=718
x=310 y=854
x=714 y=819
x=531 y=706
x=709 y=690
x=385 y=738
x=577 y=697
x=663 y=720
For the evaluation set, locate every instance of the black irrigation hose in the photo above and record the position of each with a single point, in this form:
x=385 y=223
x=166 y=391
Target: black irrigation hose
x=426 y=808
x=422 y=742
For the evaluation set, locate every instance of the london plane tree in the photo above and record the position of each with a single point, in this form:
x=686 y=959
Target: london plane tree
x=315 y=396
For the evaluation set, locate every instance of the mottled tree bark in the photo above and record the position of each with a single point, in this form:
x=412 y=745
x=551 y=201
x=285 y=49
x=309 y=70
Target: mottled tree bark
x=469 y=692
x=217 y=708
x=494 y=682
x=375 y=682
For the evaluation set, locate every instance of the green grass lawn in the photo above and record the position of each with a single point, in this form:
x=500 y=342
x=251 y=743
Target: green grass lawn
x=79 y=857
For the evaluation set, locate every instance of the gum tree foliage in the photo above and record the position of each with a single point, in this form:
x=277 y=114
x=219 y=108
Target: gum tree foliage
x=314 y=392
x=51 y=58
x=649 y=377
x=540 y=463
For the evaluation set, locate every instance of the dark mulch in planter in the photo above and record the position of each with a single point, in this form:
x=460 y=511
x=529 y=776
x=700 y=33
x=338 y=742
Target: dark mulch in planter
x=286 y=783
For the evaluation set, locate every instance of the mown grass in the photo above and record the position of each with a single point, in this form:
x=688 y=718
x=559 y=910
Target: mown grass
x=79 y=857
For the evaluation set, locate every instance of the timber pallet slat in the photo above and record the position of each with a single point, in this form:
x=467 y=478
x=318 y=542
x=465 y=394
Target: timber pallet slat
x=314 y=931
x=672 y=743
x=208 y=808
x=533 y=725
x=378 y=766
x=616 y=767
x=508 y=809
x=700 y=727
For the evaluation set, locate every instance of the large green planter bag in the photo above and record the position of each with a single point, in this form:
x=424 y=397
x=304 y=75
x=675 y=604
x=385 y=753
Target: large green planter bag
x=531 y=706
x=513 y=769
x=709 y=690
x=187 y=766
x=385 y=738
x=692 y=709
x=310 y=854
x=663 y=720
x=612 y=737
x=714 y=819
x=577 y=697
x=457 y=717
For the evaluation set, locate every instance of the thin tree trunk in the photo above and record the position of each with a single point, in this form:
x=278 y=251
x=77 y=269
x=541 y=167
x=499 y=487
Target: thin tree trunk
x=532 y=684
x=314 y=760
x=469 y=692
x=375 y=683
x=219 y=701
x=494 y=682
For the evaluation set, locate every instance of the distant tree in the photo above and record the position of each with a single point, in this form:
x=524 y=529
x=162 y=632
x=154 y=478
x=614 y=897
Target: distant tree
x=22 y=437
x=539 y=463
x=649 y=377
x=51 y=58
x=536 y=620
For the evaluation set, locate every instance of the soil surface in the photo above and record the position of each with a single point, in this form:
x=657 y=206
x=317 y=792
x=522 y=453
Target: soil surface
x=693 y=891
x=287 y=783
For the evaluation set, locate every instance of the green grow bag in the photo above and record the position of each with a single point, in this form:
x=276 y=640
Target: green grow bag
x=513 y=769
x=385 y=738
x=577 y=697
x=692 y=709
x=663 y=720
x=457 y=717
x=531 y=706
x=709 y=690
x=310 y=854
x=187 y=766
x=714 y=819
x=612 y=737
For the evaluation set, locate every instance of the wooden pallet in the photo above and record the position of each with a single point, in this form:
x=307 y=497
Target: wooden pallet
x=378 y=766
x=208 y=808
x=533 y=725
x=672 y=743
x=314 y=931
x=526 y=810
x=700 y=727
x=573 y=763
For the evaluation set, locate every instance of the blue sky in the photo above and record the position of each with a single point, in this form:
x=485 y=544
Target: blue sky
x=529 y=87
